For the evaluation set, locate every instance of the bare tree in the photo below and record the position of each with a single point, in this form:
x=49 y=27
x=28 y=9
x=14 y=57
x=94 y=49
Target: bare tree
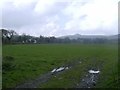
x=8 y=34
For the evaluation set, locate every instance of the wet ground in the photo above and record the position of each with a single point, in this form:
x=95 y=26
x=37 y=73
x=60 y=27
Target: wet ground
x=88 y=81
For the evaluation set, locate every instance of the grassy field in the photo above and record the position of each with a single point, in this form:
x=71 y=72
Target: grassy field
x=0 y=65
x=31 y=61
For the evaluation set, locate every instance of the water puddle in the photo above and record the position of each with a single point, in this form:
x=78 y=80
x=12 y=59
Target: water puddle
x=59 y=69
x=93 y=71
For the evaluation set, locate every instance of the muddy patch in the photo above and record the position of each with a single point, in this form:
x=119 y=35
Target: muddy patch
x=45 y=77
x=90 y=79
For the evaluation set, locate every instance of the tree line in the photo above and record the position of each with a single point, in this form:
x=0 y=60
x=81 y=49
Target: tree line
x=11 y=37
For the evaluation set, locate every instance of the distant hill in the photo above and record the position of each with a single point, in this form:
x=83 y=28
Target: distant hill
x=76 y=36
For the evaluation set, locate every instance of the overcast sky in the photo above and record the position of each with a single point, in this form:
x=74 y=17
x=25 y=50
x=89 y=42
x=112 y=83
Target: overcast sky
x=60 y=17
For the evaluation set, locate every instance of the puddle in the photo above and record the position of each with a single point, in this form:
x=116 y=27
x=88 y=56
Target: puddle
x=94 y=72
x=64 y=68
x=59 y=69
x=53 y=70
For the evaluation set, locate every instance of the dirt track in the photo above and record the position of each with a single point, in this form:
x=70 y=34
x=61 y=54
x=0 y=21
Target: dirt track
x=88 y=81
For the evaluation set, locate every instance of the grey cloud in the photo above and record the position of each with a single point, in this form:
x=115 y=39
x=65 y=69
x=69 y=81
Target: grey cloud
x=18 y=18
x=23 y=17
x=26 y=20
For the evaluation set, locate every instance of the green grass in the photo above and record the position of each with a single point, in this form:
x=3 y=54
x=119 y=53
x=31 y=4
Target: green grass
x=32 y=61
x=0 y=65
